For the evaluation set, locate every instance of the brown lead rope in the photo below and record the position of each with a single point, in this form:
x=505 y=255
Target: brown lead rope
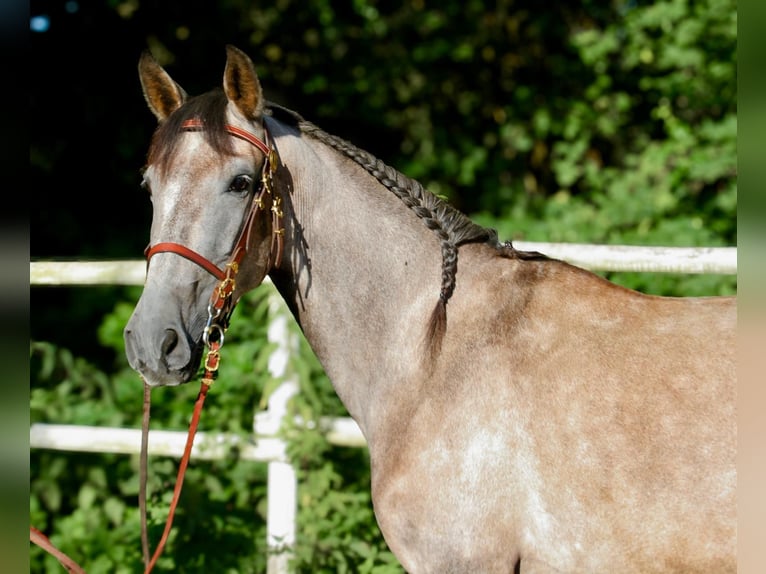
x=219 y=312
x=144 y=463
x=211 y=370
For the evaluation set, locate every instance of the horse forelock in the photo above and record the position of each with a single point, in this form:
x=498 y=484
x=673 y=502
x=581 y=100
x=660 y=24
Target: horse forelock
x=211 y=109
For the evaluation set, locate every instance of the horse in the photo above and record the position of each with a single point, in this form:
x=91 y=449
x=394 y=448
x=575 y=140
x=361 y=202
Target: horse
x=522 y=414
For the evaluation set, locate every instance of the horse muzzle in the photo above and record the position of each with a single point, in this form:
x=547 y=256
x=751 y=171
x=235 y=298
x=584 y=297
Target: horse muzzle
x=162 y=352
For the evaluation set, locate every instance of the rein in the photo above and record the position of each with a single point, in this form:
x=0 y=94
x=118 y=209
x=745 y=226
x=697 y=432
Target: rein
x=211 y=371
x=220 y=309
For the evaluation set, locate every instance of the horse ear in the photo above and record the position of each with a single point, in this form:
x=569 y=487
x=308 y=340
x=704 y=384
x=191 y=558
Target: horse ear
x=241 y=84
x=162 y=94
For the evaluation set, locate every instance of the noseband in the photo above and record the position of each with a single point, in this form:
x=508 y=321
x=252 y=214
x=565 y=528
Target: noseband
x=221 y=303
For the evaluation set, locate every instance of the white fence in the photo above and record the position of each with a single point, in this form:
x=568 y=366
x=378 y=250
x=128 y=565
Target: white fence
x=266 y=446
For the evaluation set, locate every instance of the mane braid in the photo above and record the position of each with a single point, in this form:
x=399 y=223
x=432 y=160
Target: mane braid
x=452 y=227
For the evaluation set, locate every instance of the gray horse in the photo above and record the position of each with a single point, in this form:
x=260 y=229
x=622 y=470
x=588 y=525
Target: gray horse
x=522 y=414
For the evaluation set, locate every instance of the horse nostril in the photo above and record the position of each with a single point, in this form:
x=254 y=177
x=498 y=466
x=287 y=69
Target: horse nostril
x=175 y=353
x=169 y=342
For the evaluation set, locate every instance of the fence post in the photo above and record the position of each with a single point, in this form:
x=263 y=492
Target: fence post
x=282 y=481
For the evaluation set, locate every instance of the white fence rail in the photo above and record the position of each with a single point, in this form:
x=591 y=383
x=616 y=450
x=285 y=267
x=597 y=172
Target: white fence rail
x=265 y=445
x=716 y=260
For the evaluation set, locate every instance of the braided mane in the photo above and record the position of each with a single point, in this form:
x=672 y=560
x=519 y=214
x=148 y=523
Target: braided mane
x=452 y=227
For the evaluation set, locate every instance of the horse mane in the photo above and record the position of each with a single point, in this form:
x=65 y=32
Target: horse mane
x=451 y=227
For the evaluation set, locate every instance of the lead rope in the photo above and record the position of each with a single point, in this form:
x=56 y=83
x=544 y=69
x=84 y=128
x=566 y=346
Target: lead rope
x=219 y=312
x=211 y=371
x=43 y=542
x=144 y=463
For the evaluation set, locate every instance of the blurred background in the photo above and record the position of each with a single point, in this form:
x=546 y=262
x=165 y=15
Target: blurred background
x=588 y=121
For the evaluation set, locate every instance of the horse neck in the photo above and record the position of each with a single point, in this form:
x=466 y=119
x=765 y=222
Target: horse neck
x=361 y=273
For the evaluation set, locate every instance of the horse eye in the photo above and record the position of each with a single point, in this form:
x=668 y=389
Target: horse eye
x=241 y=184
x=146 y=187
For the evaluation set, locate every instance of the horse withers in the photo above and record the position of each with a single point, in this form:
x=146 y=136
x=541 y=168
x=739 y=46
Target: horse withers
x=522 y=414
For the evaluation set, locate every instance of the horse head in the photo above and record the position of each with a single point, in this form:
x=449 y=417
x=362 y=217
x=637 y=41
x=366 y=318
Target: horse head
x=216 y=221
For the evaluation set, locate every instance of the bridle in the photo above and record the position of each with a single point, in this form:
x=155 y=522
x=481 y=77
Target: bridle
x=220 y=308
x=221 y=302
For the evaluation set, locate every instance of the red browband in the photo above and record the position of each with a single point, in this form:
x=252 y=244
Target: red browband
x=198 y=124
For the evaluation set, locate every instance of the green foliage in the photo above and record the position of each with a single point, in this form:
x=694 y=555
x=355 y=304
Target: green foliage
x=645 y=152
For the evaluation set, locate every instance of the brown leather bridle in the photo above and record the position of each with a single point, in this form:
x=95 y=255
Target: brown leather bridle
x=220 y=309
x=221 y=302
